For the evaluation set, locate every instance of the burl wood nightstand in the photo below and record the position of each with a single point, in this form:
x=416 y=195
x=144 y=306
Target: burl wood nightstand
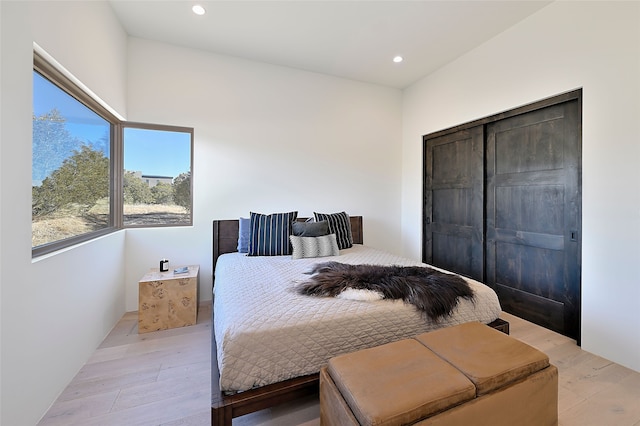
x=167 y=300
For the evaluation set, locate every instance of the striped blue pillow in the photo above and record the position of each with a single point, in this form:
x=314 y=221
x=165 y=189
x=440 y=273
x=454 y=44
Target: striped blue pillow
x=270 y=234
x=339 y=224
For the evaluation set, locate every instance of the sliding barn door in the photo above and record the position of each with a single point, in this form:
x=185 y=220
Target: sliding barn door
x=453 y=202
x=533 y=215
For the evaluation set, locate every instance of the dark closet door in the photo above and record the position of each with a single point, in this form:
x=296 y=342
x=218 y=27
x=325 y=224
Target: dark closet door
x=533 y=214
x=453 y=202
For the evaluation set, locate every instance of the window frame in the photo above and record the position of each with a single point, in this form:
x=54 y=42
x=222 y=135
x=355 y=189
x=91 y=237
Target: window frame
x=52 y=73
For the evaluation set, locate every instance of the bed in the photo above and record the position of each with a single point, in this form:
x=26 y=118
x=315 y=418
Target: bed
x=268 y=342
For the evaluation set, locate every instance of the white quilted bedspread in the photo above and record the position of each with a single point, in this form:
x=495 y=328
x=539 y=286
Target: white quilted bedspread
x=266 y=333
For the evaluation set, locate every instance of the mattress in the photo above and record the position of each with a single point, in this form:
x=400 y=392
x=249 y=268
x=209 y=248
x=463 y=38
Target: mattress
x=265 y=332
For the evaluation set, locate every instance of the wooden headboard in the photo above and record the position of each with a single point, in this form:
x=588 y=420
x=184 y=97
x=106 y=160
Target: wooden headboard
x=225 y=235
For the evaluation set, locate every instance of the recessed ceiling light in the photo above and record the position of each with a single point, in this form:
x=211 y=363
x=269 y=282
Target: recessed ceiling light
x=398 y=59
x=198 y=10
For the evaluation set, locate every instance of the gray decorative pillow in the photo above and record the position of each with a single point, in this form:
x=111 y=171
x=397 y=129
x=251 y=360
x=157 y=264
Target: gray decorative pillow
x=304 y=247
x=310 y=229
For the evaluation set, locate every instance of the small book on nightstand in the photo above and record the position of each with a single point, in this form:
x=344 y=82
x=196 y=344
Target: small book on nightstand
x=182 y=270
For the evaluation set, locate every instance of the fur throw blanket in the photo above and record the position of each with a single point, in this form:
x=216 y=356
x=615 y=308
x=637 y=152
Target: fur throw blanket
x=432 y=292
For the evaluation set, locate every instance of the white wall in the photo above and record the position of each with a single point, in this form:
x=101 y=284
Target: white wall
x=55 y=311
x=567 y=45
x=267 y=139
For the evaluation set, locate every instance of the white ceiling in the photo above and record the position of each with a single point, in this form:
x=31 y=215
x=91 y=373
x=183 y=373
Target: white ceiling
x=350 y=39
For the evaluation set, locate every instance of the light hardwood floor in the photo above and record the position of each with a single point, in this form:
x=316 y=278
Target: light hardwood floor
x=163 y=378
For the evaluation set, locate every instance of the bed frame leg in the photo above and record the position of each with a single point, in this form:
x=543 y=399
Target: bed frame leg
x=500 y=325
x=220 y=417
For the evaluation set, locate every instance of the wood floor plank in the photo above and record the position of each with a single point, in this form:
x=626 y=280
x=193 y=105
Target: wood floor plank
x=155 y=413
x=609 y=406
x=592 y=377
x=158 y=391
x=107 y=354
x=76 y=410
x=163 y=379
x=198 y=419
x=186 y=371
x=100 y=385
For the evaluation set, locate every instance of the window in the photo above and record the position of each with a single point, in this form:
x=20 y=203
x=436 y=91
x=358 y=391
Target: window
x=71 y=165
x=80 y=189
x=157 y=175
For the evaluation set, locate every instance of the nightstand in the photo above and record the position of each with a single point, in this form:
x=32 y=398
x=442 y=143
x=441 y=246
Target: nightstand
x=167 y=300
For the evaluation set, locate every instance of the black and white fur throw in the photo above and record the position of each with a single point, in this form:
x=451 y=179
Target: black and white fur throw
x=433 y=292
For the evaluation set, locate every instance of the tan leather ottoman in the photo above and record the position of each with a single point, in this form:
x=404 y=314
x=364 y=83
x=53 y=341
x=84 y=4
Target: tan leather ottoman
x=467 y=374
x=392 y=384
x=515 y=383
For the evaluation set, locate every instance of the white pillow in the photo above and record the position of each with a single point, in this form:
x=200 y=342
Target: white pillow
x=304 y=247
